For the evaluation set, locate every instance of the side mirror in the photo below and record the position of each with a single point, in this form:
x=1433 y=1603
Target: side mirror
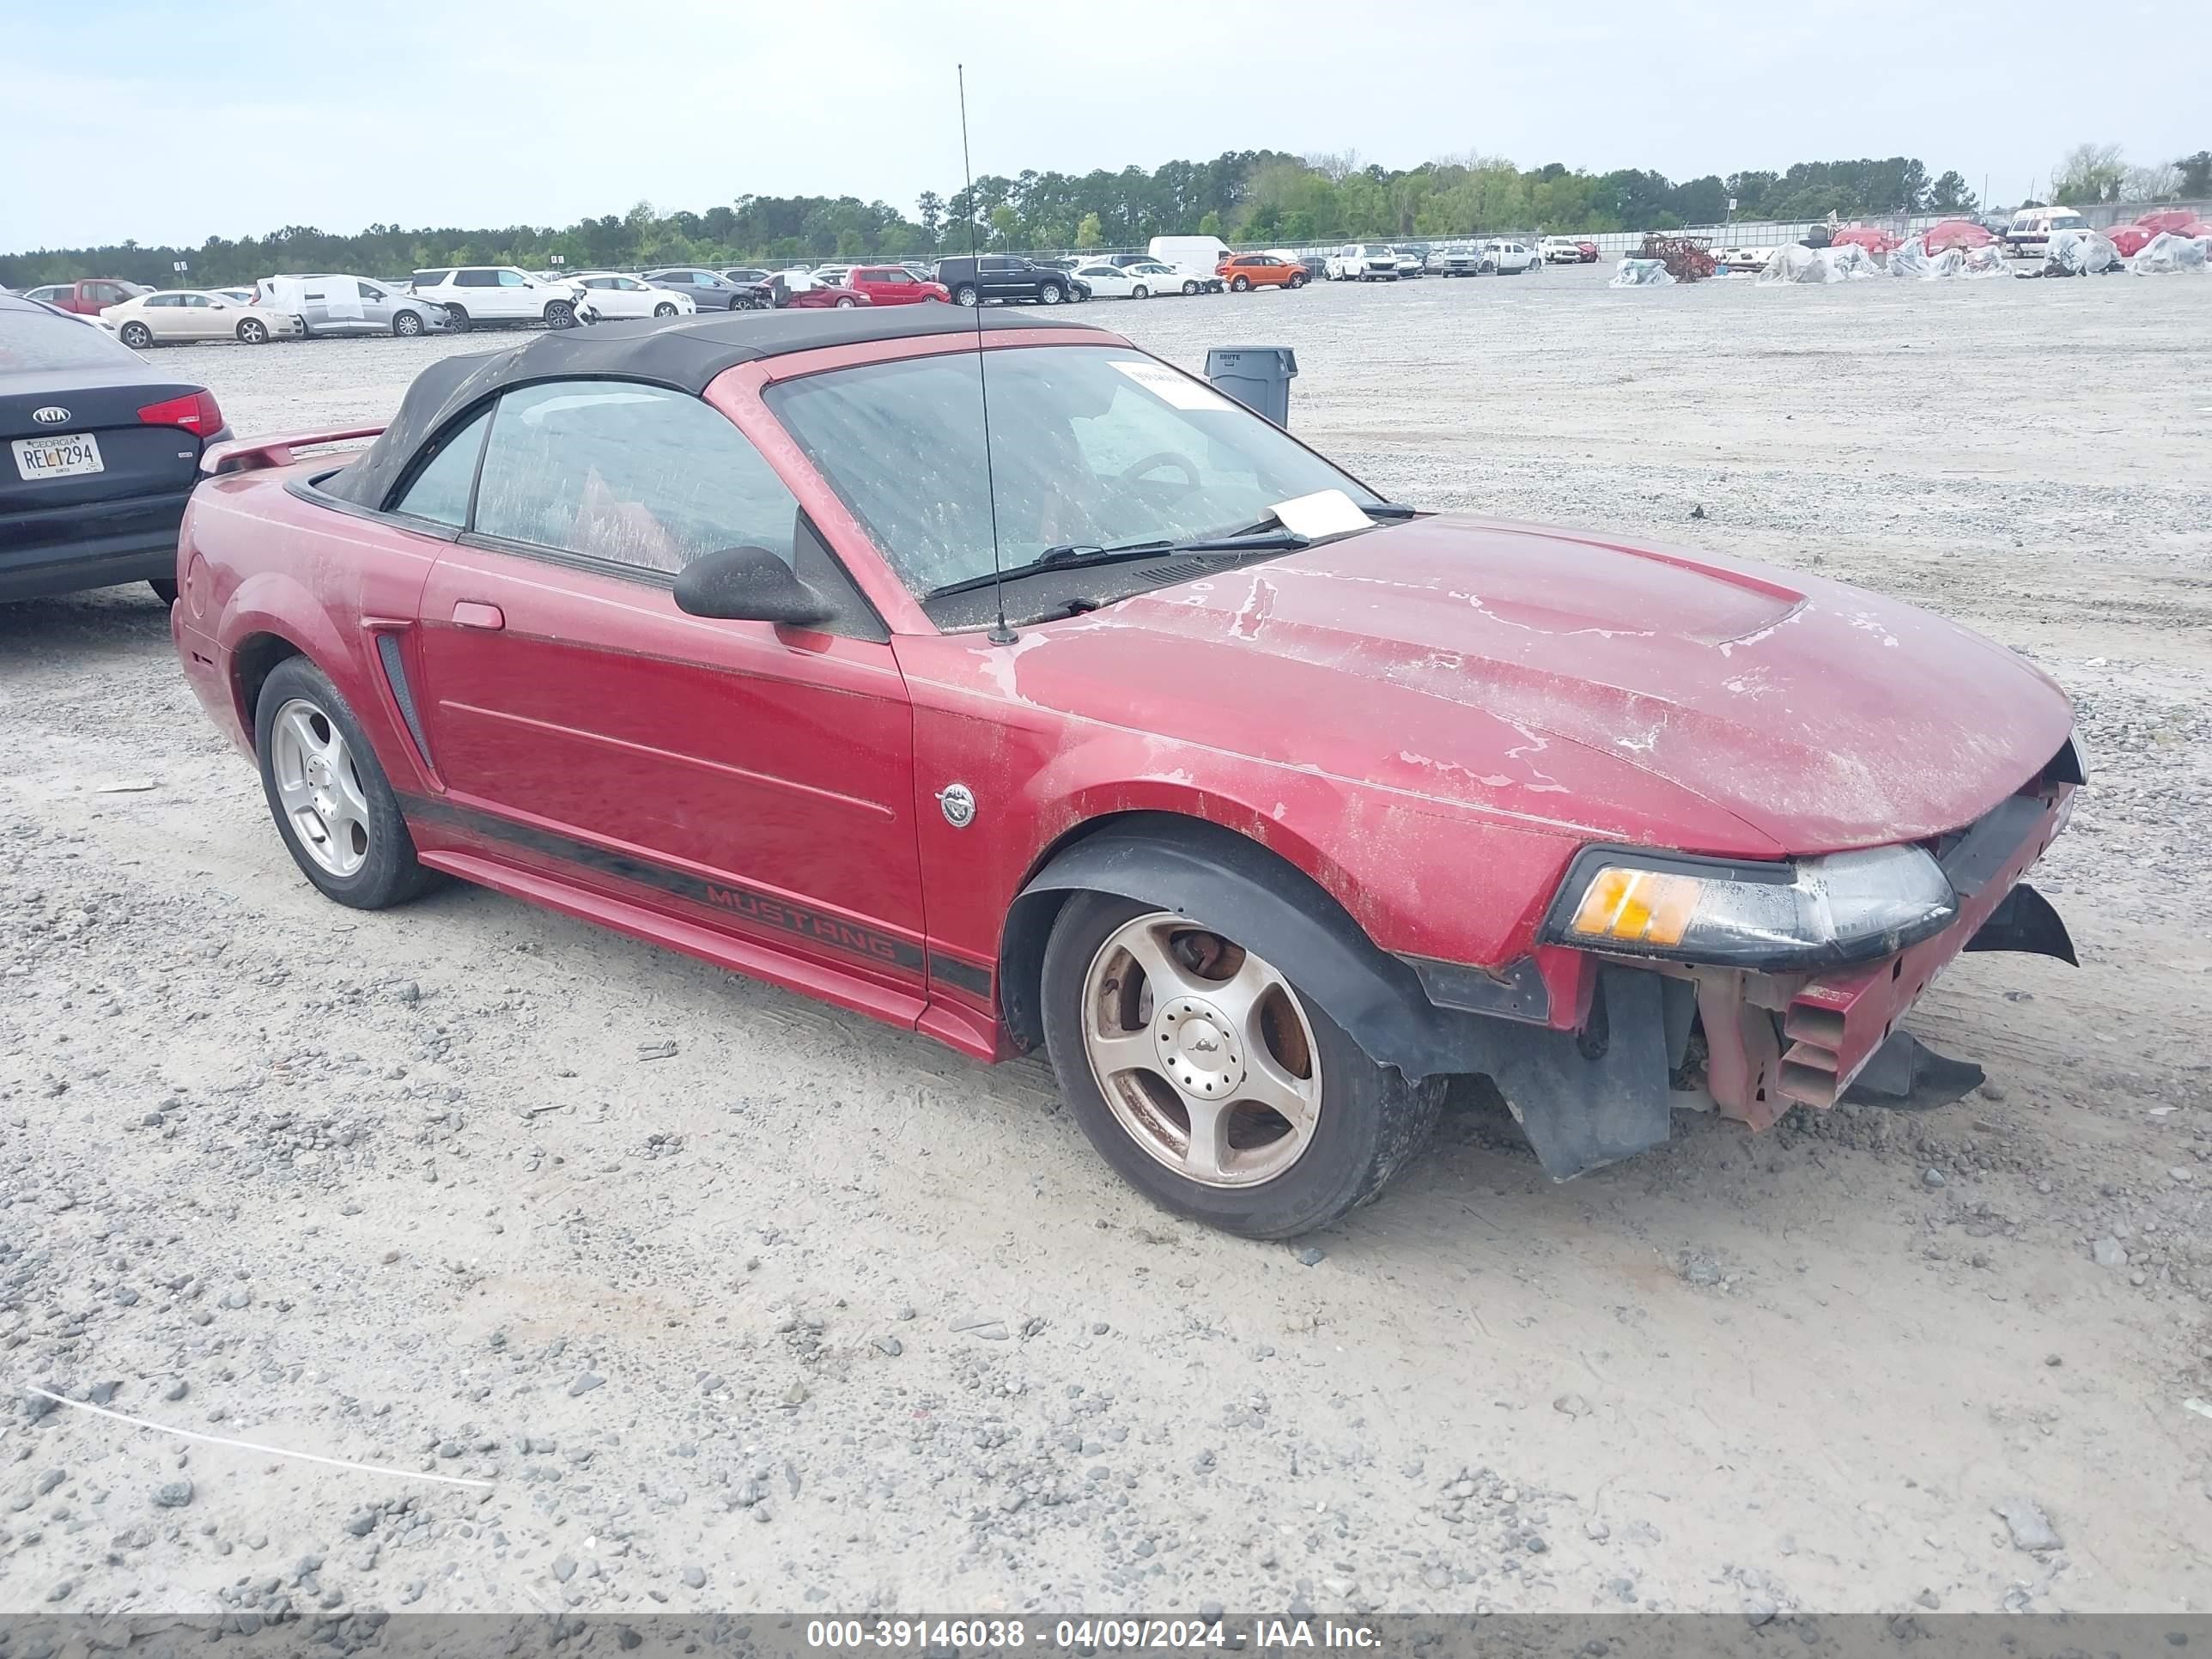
x=749 y=583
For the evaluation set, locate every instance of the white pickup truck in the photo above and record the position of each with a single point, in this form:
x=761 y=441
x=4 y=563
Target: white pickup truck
x=1363 y=262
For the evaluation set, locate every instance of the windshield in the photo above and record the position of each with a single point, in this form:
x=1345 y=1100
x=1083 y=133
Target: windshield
x=1097 y=446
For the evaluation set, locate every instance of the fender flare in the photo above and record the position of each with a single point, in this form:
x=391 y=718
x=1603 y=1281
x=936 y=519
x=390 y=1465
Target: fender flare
x=1233 y=885
x=1585 y=1099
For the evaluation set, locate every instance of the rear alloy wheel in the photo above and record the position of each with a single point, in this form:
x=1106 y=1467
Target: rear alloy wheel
x=334 y=808
x=253 y=331
x=964 y=294
x=137 y=336
x=407 y=324
x=560 y=314
x=1211 y=1082
x=667 y=309
x=1241 y=284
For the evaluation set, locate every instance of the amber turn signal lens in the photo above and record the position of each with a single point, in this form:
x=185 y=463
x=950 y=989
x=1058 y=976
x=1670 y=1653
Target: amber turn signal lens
x=1637 y=906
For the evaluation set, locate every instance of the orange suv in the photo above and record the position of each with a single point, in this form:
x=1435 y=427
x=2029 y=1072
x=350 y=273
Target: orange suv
x=1246 y=271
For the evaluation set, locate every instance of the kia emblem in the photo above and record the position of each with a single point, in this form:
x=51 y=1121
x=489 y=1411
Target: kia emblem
x=51 y=414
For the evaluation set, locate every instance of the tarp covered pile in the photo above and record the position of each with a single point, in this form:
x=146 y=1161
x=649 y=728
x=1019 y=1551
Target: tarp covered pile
x=2166 y=253
x=1796 y=263
x=2081 y=253
x=1915 y=261
x=1641 y=273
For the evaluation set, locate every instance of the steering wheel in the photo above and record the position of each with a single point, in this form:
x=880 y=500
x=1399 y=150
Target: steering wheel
x=1159 y=459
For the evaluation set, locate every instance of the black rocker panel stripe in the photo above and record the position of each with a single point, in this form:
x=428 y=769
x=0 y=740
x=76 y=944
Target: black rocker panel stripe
x=732 y=898
x=960 y=976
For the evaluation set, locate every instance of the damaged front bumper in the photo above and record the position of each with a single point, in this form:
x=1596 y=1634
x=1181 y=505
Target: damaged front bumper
x=1658 y=1035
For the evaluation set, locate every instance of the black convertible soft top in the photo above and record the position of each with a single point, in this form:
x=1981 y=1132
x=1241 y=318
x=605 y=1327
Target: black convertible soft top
x=685 y=356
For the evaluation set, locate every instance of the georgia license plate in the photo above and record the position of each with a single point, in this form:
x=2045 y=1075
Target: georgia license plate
x=70 y=457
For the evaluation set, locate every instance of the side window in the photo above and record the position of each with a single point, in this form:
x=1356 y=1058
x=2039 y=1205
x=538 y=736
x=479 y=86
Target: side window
x=193 y=301
x=440 y=490
x=370 y=291
x=476 y=279
x=890 y=277
x=636 y=475
x=513 y=279
x=164 y=300
x=429 y=278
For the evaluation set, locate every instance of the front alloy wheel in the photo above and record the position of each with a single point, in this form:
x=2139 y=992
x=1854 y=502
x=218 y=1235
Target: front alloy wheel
x=1212 y=1082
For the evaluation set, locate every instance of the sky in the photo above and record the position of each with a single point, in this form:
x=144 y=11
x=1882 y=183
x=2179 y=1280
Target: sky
x=167 y=123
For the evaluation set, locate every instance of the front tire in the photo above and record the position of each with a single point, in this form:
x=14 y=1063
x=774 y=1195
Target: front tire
x=1211 y=1082
x=137 y=336
x=1051 y=294
x=846 y=305
x=1140 y=292
x=457 y=318
x=665 y=309
x=965 y=295
x=333 y=806
x=1191 y=287
x=560 y=314
x=407 y=324
x=252 y=331
x=1298 y=279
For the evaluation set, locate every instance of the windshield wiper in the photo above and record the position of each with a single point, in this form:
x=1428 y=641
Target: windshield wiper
x=1390 y=510
x=1067 y=555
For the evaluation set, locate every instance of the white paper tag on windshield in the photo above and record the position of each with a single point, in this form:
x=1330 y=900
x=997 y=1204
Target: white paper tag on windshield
x=1178 y=391
x=1324 y=513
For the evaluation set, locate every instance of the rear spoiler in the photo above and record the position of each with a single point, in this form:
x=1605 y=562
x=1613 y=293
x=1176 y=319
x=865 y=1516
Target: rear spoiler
x=252 y=454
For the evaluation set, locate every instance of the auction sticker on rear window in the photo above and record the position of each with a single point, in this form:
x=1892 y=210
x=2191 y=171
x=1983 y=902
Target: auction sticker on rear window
x=70 y=457
x=1178 y=391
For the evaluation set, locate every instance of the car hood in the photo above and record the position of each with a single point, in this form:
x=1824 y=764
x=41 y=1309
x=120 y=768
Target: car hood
x=1628 y=692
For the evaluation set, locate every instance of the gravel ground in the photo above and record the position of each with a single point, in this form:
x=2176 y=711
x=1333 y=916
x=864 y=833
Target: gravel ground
x=810 y=1314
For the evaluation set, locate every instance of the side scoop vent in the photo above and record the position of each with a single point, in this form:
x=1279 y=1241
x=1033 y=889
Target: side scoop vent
x=395 y=673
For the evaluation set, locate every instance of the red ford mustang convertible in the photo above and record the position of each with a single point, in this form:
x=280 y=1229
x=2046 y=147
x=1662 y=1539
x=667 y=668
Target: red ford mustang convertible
x=1277 y=805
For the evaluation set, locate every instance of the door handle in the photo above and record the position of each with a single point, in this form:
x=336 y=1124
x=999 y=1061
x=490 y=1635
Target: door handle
x=469 y=613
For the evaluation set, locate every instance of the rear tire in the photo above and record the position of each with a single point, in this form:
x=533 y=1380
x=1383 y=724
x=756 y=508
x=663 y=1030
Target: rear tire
x=1240 y=284
x=1140 y=292
x=1051 y=294
x=1192 y=288
x=252 y=330
x=1367 y=1121
x=965 y=295
x=137 y=336
x=388 y=872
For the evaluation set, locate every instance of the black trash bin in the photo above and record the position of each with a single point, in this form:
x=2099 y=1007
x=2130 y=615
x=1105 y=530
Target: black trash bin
x=1259 y=377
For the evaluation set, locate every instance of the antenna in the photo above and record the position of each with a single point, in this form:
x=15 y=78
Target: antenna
x=999 y=633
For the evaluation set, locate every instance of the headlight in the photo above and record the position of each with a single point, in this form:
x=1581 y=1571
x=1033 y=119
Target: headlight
x=1814 y=912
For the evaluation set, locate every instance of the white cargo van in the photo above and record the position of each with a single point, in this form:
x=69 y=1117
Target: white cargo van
x=2030 y=235
x=1198 y=255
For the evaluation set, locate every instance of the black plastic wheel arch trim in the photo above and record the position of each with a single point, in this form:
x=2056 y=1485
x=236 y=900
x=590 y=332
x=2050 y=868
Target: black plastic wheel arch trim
x=1232 y=885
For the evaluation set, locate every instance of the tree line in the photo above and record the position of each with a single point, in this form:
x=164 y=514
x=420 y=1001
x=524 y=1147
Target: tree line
x=1252 y=197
